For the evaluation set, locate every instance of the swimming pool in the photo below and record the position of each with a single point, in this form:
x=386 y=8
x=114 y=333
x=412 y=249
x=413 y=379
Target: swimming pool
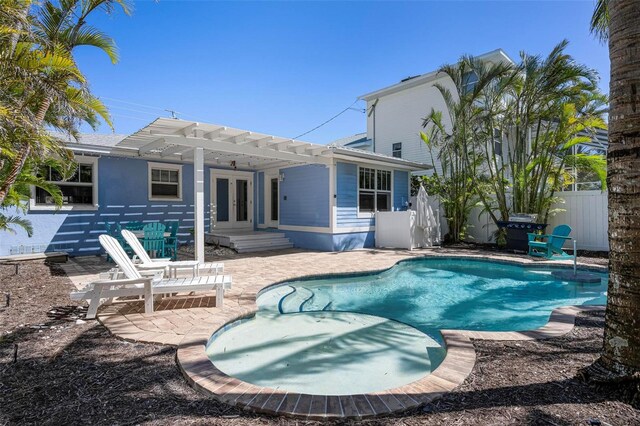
x=427 y=295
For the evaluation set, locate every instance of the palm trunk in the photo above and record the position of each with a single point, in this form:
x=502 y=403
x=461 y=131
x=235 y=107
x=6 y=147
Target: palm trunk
x=622 y=329
x=23 y=155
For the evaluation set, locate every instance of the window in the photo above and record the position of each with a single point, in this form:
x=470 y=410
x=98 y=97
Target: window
x=165 y=181
x=374 y=190
x=469 y=81
x=497 y=142
x=396 y=150
x=79 y=191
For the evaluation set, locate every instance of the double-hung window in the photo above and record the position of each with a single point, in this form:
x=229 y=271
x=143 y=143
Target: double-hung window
x=396 y=150
x=165 y=181
x=78 y=192
x=374 y=190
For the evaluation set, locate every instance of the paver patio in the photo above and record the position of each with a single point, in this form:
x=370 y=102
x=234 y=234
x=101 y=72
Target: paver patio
x=188 y=321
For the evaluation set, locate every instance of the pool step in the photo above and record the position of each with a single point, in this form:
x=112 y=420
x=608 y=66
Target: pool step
x=294 y=301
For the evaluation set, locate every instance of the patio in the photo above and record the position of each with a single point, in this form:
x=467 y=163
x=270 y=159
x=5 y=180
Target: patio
x=188 y=322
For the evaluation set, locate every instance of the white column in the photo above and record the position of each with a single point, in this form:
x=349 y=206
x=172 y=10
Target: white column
x=198 y=205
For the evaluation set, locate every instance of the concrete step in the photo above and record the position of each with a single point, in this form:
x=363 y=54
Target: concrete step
x=281 y=246
x=259 y=243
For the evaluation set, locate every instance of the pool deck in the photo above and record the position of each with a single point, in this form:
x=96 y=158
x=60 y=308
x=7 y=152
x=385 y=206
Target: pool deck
x=188 y=322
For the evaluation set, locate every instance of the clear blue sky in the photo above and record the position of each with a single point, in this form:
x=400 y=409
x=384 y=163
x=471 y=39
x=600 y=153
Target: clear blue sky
x=284 y=67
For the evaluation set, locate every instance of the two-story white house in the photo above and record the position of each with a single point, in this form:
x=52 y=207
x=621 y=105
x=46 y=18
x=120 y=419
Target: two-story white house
x=395 y=113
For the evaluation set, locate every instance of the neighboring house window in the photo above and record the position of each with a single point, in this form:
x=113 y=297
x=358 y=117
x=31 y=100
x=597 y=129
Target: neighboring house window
x=79 y=191
x=469 y=81
x=165 y=181
x=374 y=190
x=396 y=150
x=497 y=142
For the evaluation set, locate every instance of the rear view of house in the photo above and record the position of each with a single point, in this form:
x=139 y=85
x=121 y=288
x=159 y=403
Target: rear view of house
x=223 y=182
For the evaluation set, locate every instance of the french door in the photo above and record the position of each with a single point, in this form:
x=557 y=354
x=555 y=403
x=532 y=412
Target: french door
x=231 y=199
x=272 y=198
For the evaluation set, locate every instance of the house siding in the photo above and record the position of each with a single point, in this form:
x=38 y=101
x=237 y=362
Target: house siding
x=399 y=116
x=347 y=197
x=400 y=190
x=304 y=196
x=122 y=197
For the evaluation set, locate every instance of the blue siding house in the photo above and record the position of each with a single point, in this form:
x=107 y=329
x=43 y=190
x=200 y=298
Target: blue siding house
x=216 y=180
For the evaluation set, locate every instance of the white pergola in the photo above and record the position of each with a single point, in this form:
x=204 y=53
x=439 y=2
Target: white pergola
x=169 y=139
x=179 y=140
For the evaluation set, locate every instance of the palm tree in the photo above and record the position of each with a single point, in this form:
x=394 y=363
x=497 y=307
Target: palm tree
x=46 y=85
x=617 y=21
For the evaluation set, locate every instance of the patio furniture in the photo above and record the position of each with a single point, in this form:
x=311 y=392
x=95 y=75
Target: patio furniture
x=171 y=242
x=135 y=284
x=134 y=226
x=113 y=229
x=171 y=267
x=550 y=245
x=153 y=241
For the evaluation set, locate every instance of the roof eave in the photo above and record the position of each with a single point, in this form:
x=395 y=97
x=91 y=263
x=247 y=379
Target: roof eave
x=367 y=157
x=425 y=78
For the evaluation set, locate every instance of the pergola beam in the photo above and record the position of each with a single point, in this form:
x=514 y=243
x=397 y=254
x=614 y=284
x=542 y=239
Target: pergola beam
x=152 y=146
x=187 y=130
x=246 y=149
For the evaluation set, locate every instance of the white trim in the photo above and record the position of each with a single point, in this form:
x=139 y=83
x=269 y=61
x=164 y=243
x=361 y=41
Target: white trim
x=322 y=230
x=333 y=195
x=369 y=215
x=232 y=175
x=198 y=201
x=266 y=193
x=33 y=206
x=354 y=229
x=164 y=166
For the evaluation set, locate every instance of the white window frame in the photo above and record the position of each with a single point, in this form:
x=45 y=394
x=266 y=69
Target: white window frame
x=93 y=161
x=164 y=166
x=365 y=215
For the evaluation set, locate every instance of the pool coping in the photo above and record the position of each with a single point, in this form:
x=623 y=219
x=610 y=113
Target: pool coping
x=458 y=363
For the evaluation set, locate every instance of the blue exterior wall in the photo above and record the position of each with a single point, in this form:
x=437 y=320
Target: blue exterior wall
x=304 y=196
x=400 y=190
x=310 y=240
x=331 y=242
x=122 y=197
x=351 y=241
x=347 y=199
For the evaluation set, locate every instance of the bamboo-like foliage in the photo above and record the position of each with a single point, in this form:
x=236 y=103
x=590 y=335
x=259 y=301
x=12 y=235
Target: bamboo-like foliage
x=534 y=112
x=41 y=87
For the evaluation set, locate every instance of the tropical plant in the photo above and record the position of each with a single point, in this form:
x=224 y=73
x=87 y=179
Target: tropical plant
x=618 y=19
x=41 y=86
x=514 y=133
x=453 y=168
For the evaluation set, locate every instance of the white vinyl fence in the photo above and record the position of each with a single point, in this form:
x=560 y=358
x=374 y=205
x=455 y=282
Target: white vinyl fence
x=585 y=212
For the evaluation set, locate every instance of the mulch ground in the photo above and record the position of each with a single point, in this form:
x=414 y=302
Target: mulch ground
x=69 y=371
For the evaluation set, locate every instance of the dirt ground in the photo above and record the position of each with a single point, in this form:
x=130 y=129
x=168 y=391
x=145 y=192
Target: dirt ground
x=68 y=371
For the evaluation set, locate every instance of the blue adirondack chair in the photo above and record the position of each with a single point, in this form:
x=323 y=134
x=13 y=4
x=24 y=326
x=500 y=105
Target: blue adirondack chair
x=550 y=245
x=153 y=241
x=171 y=242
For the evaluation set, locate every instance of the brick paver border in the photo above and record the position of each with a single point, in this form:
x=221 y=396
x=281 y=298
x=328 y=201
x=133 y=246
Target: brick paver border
x=189 y=323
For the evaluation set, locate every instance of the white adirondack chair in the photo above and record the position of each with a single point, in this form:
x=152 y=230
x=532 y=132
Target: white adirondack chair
x=171 y=267
x=135 y=284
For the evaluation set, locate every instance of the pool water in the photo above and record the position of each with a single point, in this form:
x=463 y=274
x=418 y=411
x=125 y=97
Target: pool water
x=441 y=293
x=322 y=335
